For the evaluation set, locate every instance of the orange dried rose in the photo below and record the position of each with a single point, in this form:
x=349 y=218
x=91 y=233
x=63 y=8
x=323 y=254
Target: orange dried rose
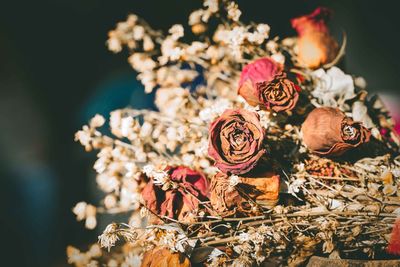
x=315 y=44
x=262 y=187
x=163 y=257
x=328 y=132
x=227 y=200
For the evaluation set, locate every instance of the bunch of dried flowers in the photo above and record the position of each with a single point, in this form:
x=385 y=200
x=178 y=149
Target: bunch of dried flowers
x=277 y=155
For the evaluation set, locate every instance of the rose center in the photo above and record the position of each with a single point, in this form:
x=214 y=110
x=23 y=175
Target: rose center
x=239 y=137
x=349 y=131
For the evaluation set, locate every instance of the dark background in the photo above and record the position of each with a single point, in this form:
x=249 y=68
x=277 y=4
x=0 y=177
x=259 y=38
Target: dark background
x=54 y=62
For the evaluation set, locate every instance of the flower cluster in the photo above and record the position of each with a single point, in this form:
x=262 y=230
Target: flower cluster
x=261 y=150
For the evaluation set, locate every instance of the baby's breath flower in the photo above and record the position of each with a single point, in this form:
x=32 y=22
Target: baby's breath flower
x=234 y=180
x=97 y=121
x=80 y=210
x=176 y=31
x=109 y=236
x=233 y=11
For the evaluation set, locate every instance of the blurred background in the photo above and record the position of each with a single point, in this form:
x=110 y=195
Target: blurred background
x=56 y=72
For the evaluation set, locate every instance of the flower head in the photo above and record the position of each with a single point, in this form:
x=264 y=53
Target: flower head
x=180 y=200
x=263 y=83
x=327 y=131
x=315 y=44
x=236 y=141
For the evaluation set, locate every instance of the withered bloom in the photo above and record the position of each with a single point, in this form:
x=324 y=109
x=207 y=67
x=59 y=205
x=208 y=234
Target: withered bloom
x=280 y=94
x=163 y=257
x=263 y=83
x=177 y=202
x=225 y=199
x=328 y=132
x=236 y=141
x=315 y=44
x=263 y=187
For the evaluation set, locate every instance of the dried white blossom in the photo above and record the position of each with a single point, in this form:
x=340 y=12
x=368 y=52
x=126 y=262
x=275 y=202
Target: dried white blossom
x=333 y=87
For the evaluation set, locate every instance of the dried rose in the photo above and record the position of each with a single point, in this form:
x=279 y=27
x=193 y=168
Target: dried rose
x=225 y=199
x=236 y=141
x=327 y=131
x=180 y=201
x=263 y=83
x=315 y=44
x=262 y=187
x=163 y=257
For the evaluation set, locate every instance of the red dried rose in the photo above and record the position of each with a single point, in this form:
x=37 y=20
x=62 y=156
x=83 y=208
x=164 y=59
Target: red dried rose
x=315 y=44
x=180 y=201
x=394 y=244
x=327 y=131
x=263 y=83
x=236 y=141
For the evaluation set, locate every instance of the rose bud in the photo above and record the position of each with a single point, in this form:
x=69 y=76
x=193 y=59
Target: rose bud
x=236 y=141
x=263 y=83
x=328 y=132
x=160 y=256
x=180 y=201
x=315 y=44
x=225 y=199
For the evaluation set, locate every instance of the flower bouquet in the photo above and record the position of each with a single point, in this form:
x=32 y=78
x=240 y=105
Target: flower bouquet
x=262 y=150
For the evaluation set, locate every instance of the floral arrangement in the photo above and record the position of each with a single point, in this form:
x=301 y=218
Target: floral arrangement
x=262 y=150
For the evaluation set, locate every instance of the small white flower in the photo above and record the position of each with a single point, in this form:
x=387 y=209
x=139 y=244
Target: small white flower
x=233 y=11
x=176 y=31
x=295 y=186
x=148 y=169
x=110 y=201
x=195 y=17
x=212 y=5
x=80 y=210
x=234 y=180
x=138 y=32
x=243 y=237
x=91 y=222
x=114 y=45
x=97 y=121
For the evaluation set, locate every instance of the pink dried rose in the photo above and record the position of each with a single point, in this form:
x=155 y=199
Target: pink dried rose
x=315 y=44
x=177 y=202
x=328 y=132
x=264 y=83
x=236 y=141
